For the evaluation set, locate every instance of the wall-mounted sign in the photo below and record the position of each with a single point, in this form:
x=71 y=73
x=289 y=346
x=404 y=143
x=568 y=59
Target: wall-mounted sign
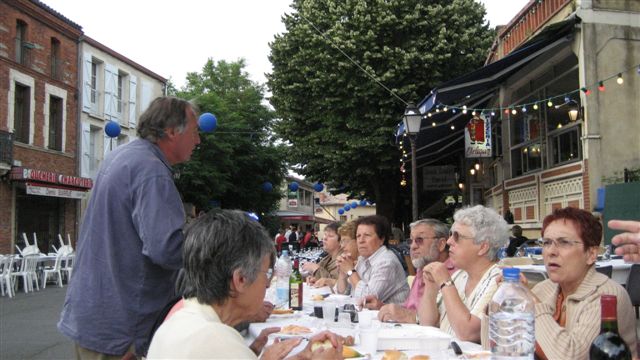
x=438 y=177
x=477 y=137
x=33 y=189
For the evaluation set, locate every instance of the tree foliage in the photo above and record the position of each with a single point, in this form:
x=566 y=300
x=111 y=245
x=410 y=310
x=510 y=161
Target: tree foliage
x=231 y=164
x=339 y=121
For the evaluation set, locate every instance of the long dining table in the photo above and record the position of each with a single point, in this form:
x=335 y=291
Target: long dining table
x=411 y=339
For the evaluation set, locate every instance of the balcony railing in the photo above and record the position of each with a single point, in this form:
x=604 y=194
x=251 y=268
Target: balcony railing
x=23 y=51
x=6 y=148
x=526 y=23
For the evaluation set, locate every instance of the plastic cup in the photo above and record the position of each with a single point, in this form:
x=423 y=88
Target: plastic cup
x=344 y=319
x=364 y=318
x=369 y=340
x=329 y=312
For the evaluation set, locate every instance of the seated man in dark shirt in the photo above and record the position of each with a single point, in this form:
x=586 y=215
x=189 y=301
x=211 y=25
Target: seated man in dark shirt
x=516 y=240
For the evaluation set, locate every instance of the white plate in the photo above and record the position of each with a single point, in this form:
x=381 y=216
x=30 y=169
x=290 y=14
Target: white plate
x=285 y=316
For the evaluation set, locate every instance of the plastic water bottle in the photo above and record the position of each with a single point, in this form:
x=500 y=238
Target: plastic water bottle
x=511 y=319
x=283 y=271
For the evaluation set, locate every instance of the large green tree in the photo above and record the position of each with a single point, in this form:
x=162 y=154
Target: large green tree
x=341 y=122
x=231 y=163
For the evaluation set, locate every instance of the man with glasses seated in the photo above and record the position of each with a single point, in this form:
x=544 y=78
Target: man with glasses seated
x=455 y=303
x=428 y=243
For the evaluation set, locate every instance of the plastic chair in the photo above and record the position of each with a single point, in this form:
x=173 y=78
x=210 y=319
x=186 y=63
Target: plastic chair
x=53 y=270
x=67 y=266
x=633 y=286
x=27 y=272
x=605 y=270
x=6 y=265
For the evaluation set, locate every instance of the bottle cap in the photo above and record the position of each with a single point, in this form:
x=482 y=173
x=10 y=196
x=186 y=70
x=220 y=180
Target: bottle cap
x=511 y=273
x=285 y=252
x=608 y=306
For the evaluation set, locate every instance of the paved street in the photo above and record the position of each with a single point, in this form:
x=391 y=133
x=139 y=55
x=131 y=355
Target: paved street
x=28 y=326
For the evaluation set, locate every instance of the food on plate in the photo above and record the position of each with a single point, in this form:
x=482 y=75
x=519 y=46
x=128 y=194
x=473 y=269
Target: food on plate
x=347 y=352
x=478 y=355
x=317 y=297
x=394 y=355
x=420 y=357
x=295 y=329
x=282 y=311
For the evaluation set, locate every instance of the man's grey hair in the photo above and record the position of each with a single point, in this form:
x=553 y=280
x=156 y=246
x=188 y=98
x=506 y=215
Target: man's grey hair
x=163 y=113
x=440 y=229
x=217 y=244
x=488 y=226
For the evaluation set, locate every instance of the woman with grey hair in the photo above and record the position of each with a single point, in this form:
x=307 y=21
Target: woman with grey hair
x=456 y=302
x=228 y=264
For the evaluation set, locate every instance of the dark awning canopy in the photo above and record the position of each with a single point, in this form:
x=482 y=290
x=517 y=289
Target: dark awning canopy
x=437 y=144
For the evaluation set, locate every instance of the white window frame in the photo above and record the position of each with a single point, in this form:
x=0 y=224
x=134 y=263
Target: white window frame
x=24 y=80
x=50 y=90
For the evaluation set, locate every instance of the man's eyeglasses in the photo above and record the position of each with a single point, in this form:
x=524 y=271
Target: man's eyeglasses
x=560 y=243
x=420 y=240
x=457 y=236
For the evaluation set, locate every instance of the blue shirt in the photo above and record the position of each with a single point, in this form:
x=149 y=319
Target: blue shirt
x=128 y=252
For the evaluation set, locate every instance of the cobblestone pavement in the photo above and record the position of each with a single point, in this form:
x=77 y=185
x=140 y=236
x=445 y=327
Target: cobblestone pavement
x=28 y=326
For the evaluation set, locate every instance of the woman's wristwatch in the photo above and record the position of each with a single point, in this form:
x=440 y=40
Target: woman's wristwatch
x=447 y=283
x=351 y=272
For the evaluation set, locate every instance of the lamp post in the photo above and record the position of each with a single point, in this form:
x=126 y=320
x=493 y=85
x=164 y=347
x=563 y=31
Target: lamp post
x=412 y=119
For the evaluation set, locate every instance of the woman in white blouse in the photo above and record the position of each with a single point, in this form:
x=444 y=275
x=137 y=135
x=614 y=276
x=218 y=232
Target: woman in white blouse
x=456 y=303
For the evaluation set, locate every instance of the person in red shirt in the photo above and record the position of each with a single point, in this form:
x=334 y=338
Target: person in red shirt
x=280 y=239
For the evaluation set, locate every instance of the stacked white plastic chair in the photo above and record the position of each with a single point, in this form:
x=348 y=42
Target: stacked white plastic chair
x=28 y=272
x=68 y=256
x=54 y=270
x=6 y=265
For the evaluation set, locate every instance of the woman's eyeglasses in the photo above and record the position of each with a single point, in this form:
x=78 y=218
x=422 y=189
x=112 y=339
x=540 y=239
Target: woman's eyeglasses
x=457 y=236
x=560 y=243
x=420 y=240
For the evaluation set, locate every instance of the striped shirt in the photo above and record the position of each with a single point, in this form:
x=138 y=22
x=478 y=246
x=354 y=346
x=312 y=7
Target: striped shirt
x=382 y=275
x=477 y=300
x=582 y=317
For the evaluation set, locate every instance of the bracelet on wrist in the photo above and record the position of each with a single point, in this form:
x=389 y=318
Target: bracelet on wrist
x=446 y=283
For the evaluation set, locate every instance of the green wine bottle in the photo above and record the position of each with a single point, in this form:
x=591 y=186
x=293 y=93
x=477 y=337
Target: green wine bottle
x=609 y=344
x=295 y=287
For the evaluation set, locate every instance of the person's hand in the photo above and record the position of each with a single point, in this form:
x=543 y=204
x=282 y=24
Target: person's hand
x=263 y=313
x=397 y=313
x=260 y=341
x=335 y=352
x=279 y=349
x=311 y=280
x=371 y=302
x=437 y=272
x=324 y=282
x=628 y=243
x=310 y=267
x=344 y=262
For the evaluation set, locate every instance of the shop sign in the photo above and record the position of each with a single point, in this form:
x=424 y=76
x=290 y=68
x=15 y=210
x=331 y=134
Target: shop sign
x=477 y=137
x=55 y=192
x=51 y=177
x=292 y=203
x=438 y=177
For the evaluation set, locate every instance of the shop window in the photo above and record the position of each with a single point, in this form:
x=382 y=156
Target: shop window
x=55 y=123
x=56 y=63
x=496 y=134
x=526 y=158
x=565 y=145
x=22 y=108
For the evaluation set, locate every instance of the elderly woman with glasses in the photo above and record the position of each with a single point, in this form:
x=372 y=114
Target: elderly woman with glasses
x=456 y=302
x=327 y=267
x=568 y=303
x=228 y=263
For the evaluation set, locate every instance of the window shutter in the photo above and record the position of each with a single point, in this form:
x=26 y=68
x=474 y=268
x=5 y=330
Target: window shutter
x=86 y=82
x=107 y=145
x=133 y=95
x=86 y=147
x=110 y=88
x=146 y=96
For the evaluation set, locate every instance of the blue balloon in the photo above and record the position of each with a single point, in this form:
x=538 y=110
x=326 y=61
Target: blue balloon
x=112 y=129
x=341 y=211
x=363 y=202
x=318 y=187
x=293 y=186
x=347 y=207
x=267 y=186
x=354 y=204
x=207 y=122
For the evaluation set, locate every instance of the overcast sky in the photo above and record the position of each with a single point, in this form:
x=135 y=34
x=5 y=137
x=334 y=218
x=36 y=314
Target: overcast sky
x=172 y=38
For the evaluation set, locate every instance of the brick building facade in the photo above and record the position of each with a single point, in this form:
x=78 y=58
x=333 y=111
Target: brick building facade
x=39 y=184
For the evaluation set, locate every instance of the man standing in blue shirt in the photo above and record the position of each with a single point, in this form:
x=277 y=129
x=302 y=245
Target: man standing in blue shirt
x=130 y=243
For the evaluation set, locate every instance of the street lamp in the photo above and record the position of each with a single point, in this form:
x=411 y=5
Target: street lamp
x=412 y=119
